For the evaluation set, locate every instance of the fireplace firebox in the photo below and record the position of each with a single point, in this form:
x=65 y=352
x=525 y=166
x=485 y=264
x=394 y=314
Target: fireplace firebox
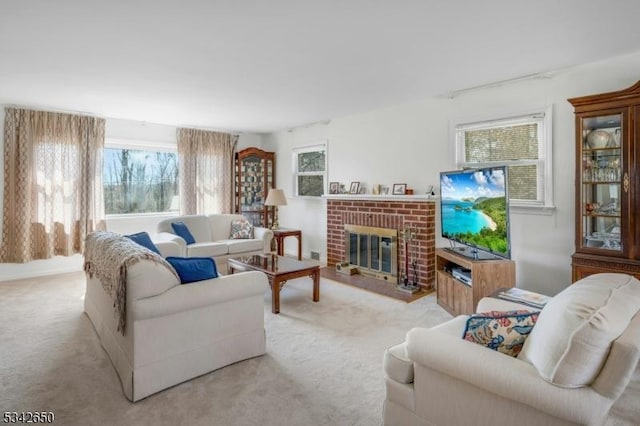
x=373 y=250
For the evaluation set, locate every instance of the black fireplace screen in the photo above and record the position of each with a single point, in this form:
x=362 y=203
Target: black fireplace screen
x=373 y=250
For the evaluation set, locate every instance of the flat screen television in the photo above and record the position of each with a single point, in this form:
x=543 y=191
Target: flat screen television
x=474 y=212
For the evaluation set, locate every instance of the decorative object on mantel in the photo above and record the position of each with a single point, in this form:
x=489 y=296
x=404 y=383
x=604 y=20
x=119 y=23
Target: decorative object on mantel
x=399 y=188
x=430 y=191
x=334 y=188
x=375 y=189
x=384 y=190
x=354 y=188
x=408 y=191
x=275 y=197
x=408 y=234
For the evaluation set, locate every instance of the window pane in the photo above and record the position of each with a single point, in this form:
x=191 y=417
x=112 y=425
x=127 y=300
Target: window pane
x=523 y=182
x=311 y=185
x=311 y=161
x=139 y=181
x=518 y=142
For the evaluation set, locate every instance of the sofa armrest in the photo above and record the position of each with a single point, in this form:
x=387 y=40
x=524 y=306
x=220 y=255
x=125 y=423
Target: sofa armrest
x=202 y=293
x=264 y=234
x=502 y=375
x=168 y=248
x=169 y=244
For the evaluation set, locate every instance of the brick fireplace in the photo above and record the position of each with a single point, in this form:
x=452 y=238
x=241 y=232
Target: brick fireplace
x=386 y=211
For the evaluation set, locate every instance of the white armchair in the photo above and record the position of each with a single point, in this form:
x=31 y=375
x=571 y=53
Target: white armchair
x=437 y=378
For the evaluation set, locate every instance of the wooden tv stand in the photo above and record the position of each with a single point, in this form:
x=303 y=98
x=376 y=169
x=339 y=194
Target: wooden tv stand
x=458 y=298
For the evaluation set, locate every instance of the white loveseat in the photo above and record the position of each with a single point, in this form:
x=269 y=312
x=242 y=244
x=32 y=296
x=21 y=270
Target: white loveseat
x=175 y=332
x=589 y=334
x=211 y=233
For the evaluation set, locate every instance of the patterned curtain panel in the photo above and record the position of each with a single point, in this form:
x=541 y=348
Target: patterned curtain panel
x=52 y=184
x=206 y=171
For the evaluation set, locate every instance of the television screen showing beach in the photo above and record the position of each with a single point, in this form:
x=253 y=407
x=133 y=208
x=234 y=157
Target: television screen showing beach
x=474 y=208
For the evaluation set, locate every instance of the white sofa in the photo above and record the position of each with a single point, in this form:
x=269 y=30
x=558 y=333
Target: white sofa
x=576 y=362
x=176 y=332
x=211 y=233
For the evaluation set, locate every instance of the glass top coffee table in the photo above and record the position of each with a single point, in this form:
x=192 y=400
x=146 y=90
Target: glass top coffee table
x=279 y=270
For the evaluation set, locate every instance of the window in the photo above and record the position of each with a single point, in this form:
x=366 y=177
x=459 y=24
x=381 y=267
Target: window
x=310 y=170
x=140 y=178
x=523 y=144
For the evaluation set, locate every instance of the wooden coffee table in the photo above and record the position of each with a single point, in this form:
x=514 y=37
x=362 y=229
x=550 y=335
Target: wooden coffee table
x=279 y=270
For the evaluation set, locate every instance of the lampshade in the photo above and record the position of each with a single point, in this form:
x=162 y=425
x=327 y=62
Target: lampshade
x=275 y=197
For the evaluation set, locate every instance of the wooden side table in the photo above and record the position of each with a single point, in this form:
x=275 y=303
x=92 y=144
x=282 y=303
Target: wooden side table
x=281 y=233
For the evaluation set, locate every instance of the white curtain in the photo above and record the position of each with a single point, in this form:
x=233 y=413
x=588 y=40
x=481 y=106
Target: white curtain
x=206 y=171
x=52 y=184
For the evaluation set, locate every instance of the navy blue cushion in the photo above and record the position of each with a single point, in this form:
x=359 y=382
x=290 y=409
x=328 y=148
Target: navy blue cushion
x=144 y=240
x=192 y=269
x=183 y=232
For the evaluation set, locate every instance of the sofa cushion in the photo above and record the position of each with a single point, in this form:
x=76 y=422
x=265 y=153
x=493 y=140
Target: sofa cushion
x=182 y=230
x=207 y=249
x=220 y=225
x=192 y=269
x=397 y=364
x=143 y=239
x=241 y=229
x=242 y=246
x=574 y=332
x=502 y=331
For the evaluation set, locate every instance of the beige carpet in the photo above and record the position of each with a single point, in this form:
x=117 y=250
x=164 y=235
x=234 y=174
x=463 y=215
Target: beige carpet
x=323 y=366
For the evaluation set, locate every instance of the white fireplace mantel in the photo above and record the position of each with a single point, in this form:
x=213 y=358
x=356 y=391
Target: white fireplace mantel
x=387 y=197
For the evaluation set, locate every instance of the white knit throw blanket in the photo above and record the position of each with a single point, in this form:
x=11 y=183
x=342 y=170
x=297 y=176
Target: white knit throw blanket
x=108 y=256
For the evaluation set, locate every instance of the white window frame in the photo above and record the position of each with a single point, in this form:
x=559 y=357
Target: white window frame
x=321 y=146
x=543 y=117
x=139 y=145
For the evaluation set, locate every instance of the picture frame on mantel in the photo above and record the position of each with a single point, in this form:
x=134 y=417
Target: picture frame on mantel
x=399 y=188
x=334 y=187
x=354 y=188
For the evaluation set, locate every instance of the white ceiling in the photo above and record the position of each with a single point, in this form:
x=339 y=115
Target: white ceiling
x=261 y=66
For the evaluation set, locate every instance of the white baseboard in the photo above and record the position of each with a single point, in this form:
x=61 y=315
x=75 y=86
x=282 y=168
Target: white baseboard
x=40 y=268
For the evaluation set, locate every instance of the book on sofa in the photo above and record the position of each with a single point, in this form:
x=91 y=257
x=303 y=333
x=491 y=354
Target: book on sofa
x=519 y=295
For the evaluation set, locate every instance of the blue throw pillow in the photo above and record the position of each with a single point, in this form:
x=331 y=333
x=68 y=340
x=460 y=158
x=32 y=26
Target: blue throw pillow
x=144 y=240
x=182 y=231
x=192 y=269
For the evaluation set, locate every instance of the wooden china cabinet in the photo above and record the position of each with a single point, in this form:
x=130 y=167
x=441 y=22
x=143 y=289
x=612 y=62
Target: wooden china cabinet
x=255 y=171
x=607 y=183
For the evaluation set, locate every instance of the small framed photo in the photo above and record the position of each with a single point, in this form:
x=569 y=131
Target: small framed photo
x=334 y=187
x=384 y=190
x=399 y=188
x=354 y=188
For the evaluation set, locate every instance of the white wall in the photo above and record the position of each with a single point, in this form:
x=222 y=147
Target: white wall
x=411 y=144
x=118 y=129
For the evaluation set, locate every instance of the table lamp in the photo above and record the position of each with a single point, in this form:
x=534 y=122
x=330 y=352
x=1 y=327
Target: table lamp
x=275 y=198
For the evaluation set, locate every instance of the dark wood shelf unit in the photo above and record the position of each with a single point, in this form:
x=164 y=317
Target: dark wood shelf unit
x=607 y=182
x=255 y=174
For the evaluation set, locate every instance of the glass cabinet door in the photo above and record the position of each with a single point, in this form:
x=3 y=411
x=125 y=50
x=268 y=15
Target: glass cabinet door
x=602 y=192
x=252 y=190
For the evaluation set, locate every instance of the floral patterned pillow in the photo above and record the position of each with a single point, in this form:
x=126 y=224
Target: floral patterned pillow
x=501 y=331
x=241 y=229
